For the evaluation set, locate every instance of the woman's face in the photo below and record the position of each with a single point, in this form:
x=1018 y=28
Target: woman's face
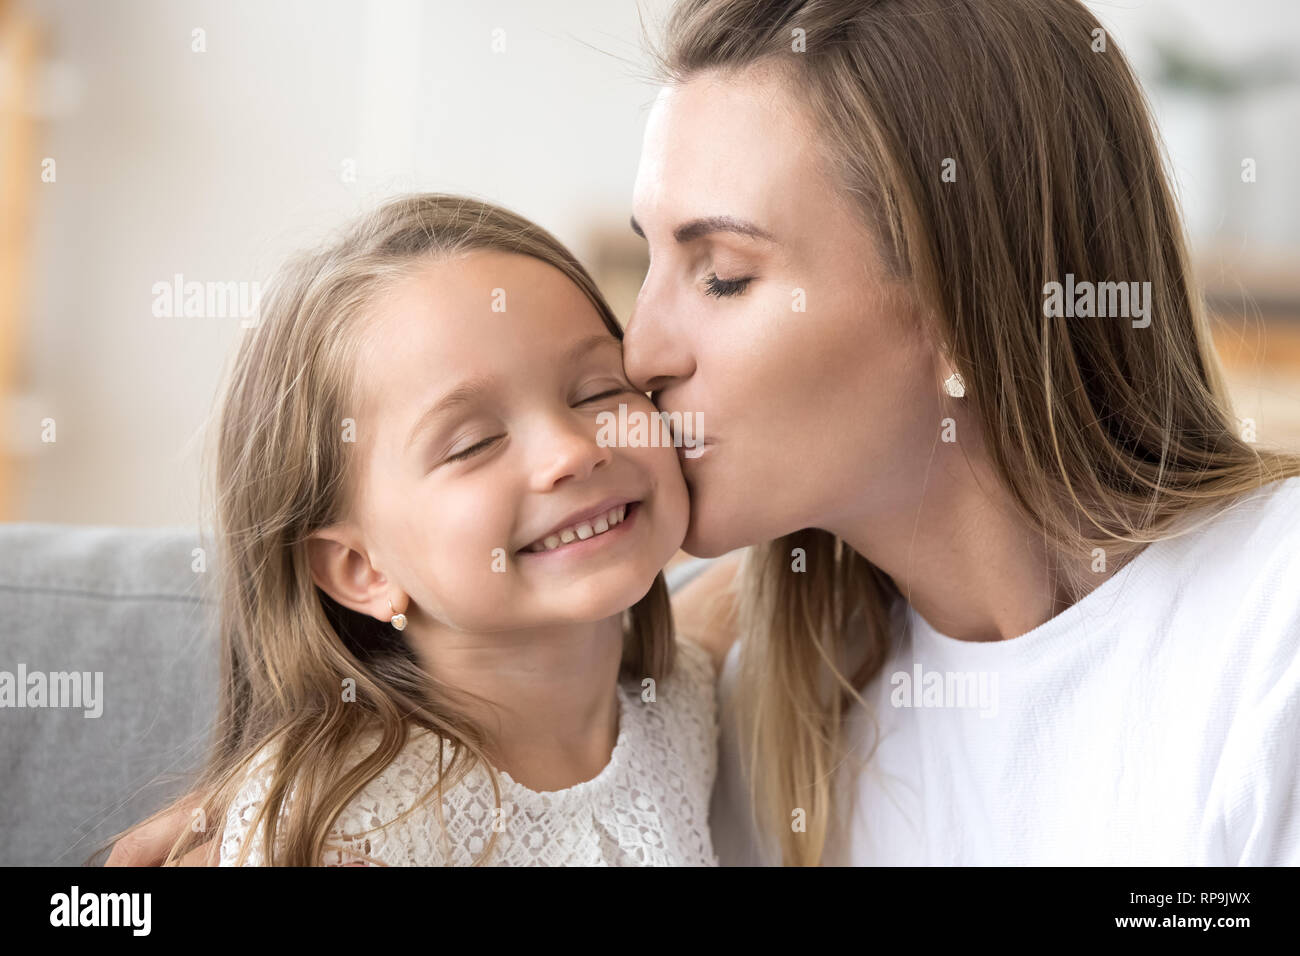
x=765 y=310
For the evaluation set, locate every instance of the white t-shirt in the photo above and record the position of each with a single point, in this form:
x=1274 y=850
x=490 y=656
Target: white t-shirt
x=1155 y=722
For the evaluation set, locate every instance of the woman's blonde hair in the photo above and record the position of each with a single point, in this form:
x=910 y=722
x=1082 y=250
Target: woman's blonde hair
x=282 y=472
x=1104 y=434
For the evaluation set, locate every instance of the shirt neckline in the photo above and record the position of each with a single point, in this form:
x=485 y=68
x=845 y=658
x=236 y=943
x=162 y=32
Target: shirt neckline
x=1101 y=603
x=586 y=788
x=1145 y=573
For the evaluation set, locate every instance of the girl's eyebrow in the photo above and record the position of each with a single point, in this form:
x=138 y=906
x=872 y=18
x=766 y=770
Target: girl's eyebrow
x=466 y=393
x=473 y=388
x=590 y=343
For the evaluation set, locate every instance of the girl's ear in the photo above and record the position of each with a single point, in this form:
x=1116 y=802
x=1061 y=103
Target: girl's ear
x=345 y=573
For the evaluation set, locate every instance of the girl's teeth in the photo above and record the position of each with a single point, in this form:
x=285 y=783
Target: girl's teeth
x=583 y=531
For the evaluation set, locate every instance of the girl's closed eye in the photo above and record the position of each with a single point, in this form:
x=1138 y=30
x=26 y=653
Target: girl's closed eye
x=474 y=449
x=610 y=391
x=471 y=451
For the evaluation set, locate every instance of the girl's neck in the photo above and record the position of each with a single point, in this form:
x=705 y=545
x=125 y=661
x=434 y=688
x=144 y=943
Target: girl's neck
x=546 y=696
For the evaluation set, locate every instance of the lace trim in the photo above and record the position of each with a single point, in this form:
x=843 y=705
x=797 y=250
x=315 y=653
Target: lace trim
x=648 y=806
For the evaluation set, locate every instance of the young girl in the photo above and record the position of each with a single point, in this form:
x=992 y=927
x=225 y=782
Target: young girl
x=446 y=638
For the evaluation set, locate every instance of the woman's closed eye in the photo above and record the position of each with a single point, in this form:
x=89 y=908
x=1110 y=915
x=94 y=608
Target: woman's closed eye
x=715 y=286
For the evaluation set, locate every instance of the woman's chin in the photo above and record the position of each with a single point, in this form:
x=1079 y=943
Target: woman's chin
x=706 y=539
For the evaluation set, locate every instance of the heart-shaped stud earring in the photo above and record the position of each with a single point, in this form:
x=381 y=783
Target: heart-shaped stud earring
x=954 y=385
x=399 y=620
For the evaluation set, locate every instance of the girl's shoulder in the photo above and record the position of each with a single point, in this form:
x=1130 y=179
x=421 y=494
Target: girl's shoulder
x=242 y=814
x=694 y=666
x=689 y=690
x=403 y=816
x=677 y=720
x=396 y=818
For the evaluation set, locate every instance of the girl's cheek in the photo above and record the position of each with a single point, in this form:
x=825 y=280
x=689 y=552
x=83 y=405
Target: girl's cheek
x=457 y=524
x=673 y=503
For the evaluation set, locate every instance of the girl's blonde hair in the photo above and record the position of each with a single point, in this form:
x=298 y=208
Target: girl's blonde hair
x=1104 y=434
x=282 y=472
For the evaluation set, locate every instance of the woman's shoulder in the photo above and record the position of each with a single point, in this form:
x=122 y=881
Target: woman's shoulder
x=1268 y=507
x=1269 y=512
x=706 y=608
x=1254 y=536
x=1261 y=536
x=1233 y=585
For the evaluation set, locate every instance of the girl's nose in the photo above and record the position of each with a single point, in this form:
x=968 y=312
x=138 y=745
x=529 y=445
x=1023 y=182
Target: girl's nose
x=568 y=449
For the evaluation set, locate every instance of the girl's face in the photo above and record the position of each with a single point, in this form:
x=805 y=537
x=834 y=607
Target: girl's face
x=487 y=375
x=766 y=311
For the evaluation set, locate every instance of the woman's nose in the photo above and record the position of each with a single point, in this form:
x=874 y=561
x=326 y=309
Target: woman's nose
x=654 y=351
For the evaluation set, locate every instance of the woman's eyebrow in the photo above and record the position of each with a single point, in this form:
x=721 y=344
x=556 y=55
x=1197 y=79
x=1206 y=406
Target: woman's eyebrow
x=708 y=225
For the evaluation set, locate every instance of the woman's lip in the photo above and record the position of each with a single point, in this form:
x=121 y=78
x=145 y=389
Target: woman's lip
x=580 y=547
x=695 y=453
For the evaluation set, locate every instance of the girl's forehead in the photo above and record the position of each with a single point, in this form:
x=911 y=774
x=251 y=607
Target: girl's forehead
x=488 y=315
x=485 y=309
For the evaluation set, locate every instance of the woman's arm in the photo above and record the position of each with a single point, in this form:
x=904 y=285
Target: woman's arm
x=148 y=843
x=704 y=610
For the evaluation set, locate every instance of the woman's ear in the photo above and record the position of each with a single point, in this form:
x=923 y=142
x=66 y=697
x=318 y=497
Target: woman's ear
x=952 y=382
x=343 y=570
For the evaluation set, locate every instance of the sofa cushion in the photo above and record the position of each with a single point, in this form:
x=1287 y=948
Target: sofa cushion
x=128 y=605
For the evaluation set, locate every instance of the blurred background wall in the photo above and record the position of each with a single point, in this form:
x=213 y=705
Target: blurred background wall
x=145 y=139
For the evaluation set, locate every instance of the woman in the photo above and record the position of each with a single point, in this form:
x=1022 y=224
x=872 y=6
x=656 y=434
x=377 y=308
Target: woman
x=954 y=491
x=915 y=175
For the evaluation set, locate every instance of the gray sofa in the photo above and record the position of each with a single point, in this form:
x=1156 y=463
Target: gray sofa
x=128 y=604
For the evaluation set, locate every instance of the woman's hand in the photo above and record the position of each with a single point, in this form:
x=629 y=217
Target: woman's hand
x=148 y=843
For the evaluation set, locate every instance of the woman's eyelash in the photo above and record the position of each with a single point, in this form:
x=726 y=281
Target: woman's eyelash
x=472 y=450
x=720 y=287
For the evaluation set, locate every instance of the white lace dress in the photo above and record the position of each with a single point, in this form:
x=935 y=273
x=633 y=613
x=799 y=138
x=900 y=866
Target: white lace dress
x=649 y=806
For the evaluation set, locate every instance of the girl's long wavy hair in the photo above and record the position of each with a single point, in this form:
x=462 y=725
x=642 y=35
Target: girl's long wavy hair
x=282 y=472
x=1104 y=434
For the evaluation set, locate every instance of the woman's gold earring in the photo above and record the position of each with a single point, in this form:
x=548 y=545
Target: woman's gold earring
x=399 y=620
x=954 y=385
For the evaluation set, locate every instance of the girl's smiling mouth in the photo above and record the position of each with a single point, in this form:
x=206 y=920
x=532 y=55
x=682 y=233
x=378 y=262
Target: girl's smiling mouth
x=610 y=523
